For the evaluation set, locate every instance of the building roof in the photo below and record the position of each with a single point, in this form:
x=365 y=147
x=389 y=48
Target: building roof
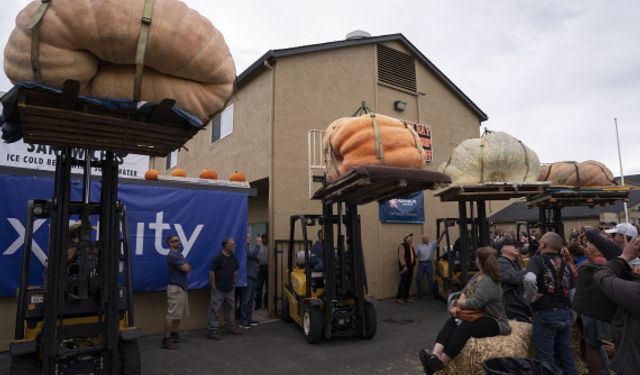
x=518 y=211
x=259 y=65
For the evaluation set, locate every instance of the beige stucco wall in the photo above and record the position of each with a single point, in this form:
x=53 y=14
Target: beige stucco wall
x=312 y=90
x=246 y=149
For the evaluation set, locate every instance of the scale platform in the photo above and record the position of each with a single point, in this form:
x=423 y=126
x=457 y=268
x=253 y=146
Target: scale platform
x=491 y=191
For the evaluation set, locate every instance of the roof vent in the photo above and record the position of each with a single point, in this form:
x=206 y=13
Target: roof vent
x=357 y=34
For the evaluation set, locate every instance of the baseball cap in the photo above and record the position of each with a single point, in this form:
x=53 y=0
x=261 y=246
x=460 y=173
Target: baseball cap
x=513 y=242
x=624 y=228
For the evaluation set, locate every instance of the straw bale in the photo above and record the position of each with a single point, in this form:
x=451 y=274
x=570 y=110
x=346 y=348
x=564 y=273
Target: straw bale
x=476 y=351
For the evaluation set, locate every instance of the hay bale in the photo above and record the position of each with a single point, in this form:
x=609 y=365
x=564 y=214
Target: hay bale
x=476 y=351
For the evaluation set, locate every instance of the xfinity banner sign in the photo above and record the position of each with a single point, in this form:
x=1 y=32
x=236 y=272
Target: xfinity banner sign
x=31 y=156
x=201 y=218
x=407 y=209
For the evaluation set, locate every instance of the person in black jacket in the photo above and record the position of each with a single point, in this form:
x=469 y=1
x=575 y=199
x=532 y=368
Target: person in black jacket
x=406 y=262
x=617 y=282
x=512 y=276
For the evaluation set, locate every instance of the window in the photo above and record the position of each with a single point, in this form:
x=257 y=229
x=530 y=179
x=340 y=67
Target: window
x=172 y=160
x=222 y=124
x=396 y=69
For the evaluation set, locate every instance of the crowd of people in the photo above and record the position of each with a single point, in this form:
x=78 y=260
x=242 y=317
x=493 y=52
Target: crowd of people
x=542 y=294
x=224 y=292
x=604 y=259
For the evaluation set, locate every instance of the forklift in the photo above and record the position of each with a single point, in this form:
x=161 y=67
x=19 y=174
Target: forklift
x=473 y=228
x=339 y=275
x=80 y=320
x=455 y=262
x=332 y=301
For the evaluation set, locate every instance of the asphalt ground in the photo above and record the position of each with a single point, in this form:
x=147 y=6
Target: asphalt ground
x=276 y=347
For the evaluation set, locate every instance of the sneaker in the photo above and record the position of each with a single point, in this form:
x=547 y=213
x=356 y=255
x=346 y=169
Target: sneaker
x=214 y=336
x=167 y=343
x=410 y=300
x=424 y=356
x=253 y=323
x=233 y=332
x=177 y=338
x=400 y=302
x=434 y=363
x=244 y=325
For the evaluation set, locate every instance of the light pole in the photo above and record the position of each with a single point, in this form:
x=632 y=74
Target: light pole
x=626 y=213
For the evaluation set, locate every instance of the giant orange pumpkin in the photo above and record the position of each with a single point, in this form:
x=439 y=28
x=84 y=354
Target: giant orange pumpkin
x=178 y=172
x=151 y=174
x=370 y=139
x=586 y=173
x=95 y=43
x=209 y=173
x=238 y=177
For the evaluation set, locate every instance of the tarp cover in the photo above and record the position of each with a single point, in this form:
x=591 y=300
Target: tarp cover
x=12 y=126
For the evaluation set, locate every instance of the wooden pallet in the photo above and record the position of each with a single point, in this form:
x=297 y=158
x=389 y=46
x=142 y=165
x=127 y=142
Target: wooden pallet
x=366 y=184
x=565 y=196
x=63 y=120
x=491 y=191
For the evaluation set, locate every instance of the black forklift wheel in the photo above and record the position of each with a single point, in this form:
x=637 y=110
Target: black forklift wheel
x=130 y=357
x=370 y=321
x=312 y=324
x=285 y=309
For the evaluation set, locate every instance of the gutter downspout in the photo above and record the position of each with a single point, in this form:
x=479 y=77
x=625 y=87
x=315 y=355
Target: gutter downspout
x=273 y=258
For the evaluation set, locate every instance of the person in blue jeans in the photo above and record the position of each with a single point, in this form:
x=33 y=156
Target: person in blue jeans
x=424 y=253
x=548 y=285
x=249 y=292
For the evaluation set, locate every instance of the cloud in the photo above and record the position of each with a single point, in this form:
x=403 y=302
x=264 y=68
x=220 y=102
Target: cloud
x=553 y=74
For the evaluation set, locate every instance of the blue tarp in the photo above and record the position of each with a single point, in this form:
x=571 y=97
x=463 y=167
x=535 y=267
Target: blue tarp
x=202 y=218
x=11 y=123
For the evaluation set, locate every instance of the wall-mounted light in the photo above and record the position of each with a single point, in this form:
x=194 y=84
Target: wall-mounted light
x=399 y=105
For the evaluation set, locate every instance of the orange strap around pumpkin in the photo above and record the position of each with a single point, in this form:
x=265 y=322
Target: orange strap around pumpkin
x=142 y=48
x=35 y=39
x=526 y=160
x=416 y=137
x=377 y=138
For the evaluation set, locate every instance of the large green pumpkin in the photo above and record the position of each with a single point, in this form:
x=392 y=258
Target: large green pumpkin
x=494 y=157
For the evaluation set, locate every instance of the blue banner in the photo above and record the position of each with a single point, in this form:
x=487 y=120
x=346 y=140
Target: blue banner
x=407 y=209
x=202 y=218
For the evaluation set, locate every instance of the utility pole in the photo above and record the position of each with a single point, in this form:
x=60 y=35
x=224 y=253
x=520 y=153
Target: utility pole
x=626 y=213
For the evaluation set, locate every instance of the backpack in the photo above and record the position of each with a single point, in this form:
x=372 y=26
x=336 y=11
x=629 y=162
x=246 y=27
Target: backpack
x=589 y=299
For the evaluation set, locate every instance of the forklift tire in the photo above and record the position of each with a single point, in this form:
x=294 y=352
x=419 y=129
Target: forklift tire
x=370 y=321
x=130 y=357
x=285 y=309
x=312 y=324
x=24 y=365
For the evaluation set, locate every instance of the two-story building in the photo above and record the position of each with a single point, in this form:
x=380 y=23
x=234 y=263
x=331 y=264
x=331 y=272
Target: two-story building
x=265 y=133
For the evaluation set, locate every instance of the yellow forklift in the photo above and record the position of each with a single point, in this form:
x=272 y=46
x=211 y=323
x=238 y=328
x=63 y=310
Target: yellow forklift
x=454 y=262
x=80 y=320
x=332 y=300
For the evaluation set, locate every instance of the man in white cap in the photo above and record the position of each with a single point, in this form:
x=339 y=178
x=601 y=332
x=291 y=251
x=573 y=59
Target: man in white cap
x=622 y=233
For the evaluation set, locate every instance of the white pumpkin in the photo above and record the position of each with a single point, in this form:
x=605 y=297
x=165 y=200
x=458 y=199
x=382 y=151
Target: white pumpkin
x=494 y=157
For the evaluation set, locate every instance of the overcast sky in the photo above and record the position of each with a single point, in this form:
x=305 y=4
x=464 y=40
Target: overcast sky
x=554 y=74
